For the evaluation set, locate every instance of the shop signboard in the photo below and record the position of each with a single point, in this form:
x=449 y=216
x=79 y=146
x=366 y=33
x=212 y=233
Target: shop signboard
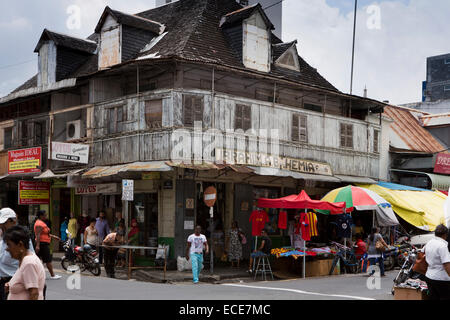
x=94 y=189
x=127 y=190
x=442 y=163
x=24 y=161
x=272 y=161
x=34 y=192
x=70 y=152
x=151 y=175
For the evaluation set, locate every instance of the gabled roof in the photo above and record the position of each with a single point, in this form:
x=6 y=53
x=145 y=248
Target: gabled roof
x=241 y=14
x=67 y=41
x=409 y=130
x=280 y=48
x=130 y=20
x=434 y=120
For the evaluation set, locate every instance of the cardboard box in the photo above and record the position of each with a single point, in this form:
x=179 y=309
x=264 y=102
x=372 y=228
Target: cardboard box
x=409 y=294
x=319 y=268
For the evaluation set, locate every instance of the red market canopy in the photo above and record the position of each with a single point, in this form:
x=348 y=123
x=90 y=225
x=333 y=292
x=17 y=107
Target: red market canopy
x=303 y=201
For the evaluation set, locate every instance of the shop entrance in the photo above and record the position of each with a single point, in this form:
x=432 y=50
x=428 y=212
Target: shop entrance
x=145 y=211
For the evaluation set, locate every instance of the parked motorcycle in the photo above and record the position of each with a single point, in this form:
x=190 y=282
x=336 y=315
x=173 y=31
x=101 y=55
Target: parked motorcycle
x=84 y=257
x=406 y=271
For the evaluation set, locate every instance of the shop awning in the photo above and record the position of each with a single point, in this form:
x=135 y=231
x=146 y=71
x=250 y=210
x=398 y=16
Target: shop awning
x=107 y=171
x=49 y=174
x=423 y=209
x=438 y=181
x=263 y=171
x=353 y=179
x=302 y=201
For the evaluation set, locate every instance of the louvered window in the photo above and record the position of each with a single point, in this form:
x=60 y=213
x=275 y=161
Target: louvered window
x=299 y=128
x=243 y=117
x=346 y=135
x=192 y=110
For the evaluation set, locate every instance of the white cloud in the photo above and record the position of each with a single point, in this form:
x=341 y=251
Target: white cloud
x=391 y=61
x=16 y=23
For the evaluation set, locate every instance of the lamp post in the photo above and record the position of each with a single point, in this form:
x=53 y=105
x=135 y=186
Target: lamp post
x=353 y=47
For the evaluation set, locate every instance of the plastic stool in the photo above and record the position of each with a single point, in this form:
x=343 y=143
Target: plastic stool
x=263 y=267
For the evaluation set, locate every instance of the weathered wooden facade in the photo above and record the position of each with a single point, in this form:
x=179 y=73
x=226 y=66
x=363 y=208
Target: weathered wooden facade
x=159 y=75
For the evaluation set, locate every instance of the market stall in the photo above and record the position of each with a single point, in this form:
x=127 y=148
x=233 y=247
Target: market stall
x=306 y=220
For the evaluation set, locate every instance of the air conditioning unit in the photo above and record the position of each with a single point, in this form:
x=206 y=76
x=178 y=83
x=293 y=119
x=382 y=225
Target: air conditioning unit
x=73 y=130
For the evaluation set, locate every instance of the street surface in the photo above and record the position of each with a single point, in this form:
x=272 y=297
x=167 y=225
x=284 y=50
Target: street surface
x=345 y=287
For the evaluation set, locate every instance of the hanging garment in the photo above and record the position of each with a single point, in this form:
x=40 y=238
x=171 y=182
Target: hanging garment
x=258 y=218
x=305 y=227
x=344 y=222
x=282 y=220
x=312 y=219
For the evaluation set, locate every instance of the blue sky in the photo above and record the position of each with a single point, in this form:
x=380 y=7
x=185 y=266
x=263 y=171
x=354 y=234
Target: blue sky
x=390 y=61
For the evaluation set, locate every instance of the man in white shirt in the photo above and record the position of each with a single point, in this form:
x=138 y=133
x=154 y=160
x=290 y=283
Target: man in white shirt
x=438 y=259
x=194 y=250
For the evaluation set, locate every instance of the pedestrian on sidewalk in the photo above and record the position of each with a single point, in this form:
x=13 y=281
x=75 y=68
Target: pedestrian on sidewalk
x=196 y=243
x=73 y=227
x=438 y=258
x=373 y=254
x=43 y=239
x=83 y=223
x=112 y=240
x=63 y=229
x=8 y=265
x=103 y=230
x=235 y=237
x=28 y=282
x=91 y=235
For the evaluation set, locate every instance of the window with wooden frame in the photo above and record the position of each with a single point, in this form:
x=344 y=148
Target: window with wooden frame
x=192 y=110
x=153 y=114
x=243 y=117
x=23 y=141
x=39 y=133
x=376 y=139
x=299 y=128
x=346 y=134
x=7 y=138
x=115 y=118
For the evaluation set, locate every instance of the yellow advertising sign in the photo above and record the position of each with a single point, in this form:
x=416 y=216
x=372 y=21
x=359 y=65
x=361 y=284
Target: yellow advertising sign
x=24 y=165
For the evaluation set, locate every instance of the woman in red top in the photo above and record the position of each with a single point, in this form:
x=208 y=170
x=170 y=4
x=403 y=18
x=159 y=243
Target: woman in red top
x=43 y=238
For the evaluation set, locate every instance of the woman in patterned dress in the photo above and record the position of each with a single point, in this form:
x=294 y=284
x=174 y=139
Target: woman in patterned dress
x=234 y=244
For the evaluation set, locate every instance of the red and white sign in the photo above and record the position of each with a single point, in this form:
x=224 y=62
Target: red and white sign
x=210 y=196
x=442 y=163
x=34 y=192
x=24 y=161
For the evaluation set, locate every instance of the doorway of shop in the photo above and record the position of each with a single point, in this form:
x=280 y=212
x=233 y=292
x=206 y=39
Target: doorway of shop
x=145 y=213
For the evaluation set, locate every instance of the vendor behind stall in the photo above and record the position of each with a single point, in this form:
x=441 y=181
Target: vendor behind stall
x=264 y=249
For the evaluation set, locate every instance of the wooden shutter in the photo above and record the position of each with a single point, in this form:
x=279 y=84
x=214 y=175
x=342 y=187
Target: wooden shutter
x=376 y=138
x=238 y=117
x=246 y=117
x=295 y=128
x=153 y=114
x=303 y=128
x=350 y=135
x=198 y=109
x=188 y=116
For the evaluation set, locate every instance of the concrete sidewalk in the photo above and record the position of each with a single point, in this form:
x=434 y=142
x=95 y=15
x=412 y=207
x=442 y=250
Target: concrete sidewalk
x=172 y=276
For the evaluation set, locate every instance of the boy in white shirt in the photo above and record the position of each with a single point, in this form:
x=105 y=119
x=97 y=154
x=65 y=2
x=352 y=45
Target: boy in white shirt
x=195 y=244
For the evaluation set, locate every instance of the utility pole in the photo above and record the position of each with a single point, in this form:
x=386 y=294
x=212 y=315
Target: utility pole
x=353 y=47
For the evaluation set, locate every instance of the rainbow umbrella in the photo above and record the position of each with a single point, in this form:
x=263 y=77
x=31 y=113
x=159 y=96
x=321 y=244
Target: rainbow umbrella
x=363 y=199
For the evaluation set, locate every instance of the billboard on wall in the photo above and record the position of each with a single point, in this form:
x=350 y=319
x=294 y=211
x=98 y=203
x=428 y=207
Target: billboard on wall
x=70 y=152
x=34 y=192
x=24 y=161
x=442 y=163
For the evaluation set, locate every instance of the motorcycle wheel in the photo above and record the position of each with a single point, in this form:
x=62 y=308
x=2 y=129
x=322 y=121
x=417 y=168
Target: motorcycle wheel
x=389 y=263
x=65 y=263
x=402 y=277
x=95 y=269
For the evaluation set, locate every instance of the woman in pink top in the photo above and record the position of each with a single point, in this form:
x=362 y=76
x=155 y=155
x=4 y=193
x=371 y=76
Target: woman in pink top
x=29 y=280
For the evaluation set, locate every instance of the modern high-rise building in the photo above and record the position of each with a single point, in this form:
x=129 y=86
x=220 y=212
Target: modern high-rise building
x=273 y=9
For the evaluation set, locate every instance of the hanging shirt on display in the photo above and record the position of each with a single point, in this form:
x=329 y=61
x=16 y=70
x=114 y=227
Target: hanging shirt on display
x=258 y=218
x=344 y=222
x=312 y=219
x=305 y=227
x=282 y=220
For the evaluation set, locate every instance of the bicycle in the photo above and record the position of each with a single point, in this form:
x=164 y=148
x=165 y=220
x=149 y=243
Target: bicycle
x=347 y=258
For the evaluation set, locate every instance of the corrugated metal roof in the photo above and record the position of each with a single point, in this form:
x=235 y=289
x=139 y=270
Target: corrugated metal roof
x=409 y=130
x=100 y=172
